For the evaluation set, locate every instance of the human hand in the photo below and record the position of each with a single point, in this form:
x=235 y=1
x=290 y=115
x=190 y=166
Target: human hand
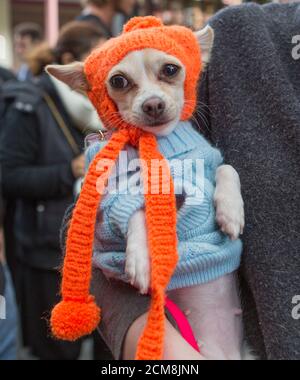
x=78 y=166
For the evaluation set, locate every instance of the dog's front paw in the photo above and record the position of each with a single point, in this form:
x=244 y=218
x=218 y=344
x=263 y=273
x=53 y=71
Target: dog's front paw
x=229 y=202
x=137 y=266
x=230 y=214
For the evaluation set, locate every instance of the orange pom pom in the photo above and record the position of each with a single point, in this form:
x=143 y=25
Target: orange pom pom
x=142 y=23
x=71 y=320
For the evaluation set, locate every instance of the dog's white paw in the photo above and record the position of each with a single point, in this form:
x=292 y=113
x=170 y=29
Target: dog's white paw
x=230 y=214
x=229 y=202
x=137 y=265
x=138 y=270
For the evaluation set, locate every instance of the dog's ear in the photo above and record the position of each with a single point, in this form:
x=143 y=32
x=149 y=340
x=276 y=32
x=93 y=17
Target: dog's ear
x=205 y=38
x=72 y=75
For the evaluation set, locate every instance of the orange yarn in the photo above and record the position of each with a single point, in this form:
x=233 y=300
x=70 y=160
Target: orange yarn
x=77 y=314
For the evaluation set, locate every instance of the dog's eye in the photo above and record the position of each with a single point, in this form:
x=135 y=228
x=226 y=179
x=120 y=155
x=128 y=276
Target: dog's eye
x=170 y=70
x=119 y=82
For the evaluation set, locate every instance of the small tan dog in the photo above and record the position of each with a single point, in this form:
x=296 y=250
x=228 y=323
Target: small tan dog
x=148 y=88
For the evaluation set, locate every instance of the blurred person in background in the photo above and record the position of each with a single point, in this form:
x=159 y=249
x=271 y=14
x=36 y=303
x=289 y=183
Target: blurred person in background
x=198 y=18
x=41 y=157
x=100 y=13
x=8 y=217
x=8 y=309
x=109 y=15
x=232 y=2
x=5 y=75
x=177 y=16
x=195 y=18
x=127 y=6
x=125 y=10
x=26 y=37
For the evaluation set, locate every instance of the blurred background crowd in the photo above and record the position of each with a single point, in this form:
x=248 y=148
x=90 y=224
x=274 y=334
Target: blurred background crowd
x=42 y=22
x=43 y=126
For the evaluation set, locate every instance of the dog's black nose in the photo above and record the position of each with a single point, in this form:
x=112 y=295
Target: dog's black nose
x=154 y=107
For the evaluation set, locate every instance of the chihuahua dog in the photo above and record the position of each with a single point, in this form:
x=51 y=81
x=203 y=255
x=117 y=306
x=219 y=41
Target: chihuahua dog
x=148 y=88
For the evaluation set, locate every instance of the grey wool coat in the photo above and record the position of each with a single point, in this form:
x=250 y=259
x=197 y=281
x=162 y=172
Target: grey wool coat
x=250 y=102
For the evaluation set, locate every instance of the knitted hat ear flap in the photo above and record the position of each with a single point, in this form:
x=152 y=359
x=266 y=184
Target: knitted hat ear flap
x=161 y=219
x=77 y=314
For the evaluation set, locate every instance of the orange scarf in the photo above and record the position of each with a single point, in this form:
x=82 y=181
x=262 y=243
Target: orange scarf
x=77 y=314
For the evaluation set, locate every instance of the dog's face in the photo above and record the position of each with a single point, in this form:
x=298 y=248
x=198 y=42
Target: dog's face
x=148 y=88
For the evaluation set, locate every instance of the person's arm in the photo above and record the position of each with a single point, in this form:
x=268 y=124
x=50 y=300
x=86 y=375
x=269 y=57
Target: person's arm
x=21 y=174
x=228 y=198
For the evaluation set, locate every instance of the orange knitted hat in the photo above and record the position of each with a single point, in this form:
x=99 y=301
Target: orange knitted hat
x=77 y=314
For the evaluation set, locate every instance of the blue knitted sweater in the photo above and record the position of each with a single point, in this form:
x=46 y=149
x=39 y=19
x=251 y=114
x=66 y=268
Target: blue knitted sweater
x=205 y=253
